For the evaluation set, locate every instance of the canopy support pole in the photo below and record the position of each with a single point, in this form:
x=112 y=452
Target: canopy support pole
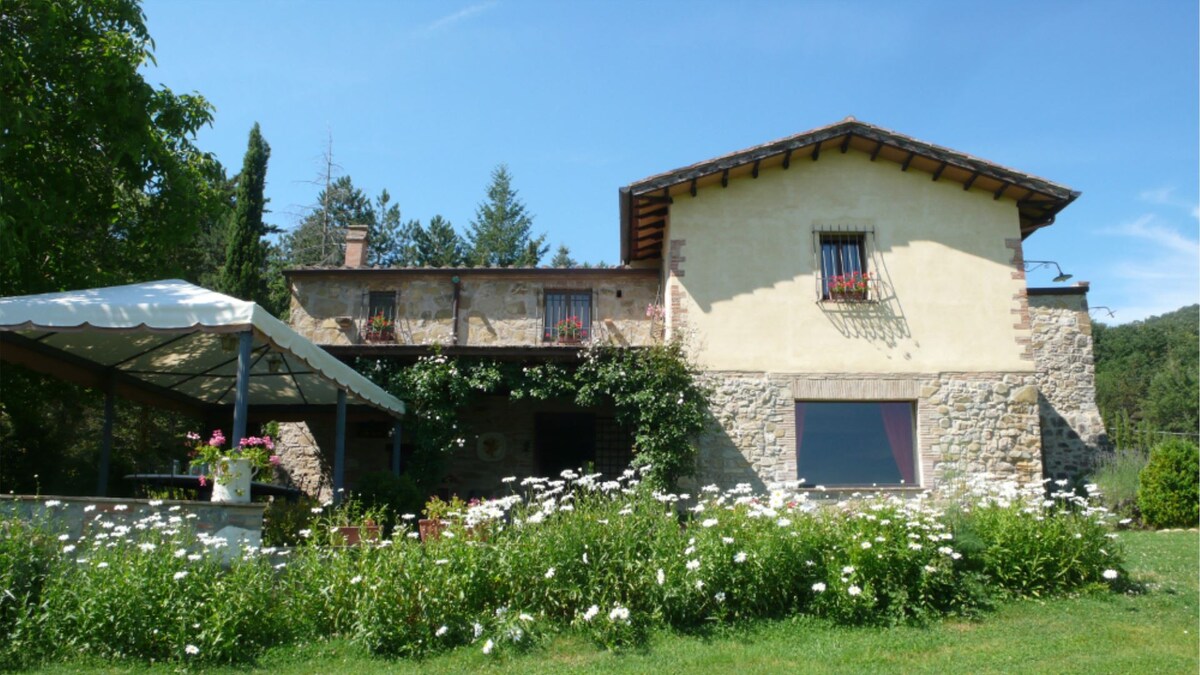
x=106 y=438
x=396 y=448
x=339 y=448
x=242 y=399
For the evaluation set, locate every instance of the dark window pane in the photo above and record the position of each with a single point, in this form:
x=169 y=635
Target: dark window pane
x=841 y=255
x=382 y=302
x=859 y=444
x=562 y=305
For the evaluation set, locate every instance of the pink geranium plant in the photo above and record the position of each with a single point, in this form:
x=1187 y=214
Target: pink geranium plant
x=259 y=450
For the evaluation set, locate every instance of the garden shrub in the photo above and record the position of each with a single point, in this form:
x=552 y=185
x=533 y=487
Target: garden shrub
x=1116 y=475
x=1169 y=487
x=610 y=559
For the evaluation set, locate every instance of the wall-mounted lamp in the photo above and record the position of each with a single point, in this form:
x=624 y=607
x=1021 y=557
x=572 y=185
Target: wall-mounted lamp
x=1046 y=263
x=274 y=362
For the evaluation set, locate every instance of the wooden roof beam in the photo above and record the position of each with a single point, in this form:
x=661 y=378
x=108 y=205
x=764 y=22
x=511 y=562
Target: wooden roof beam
x=787 y=159
x=754 y=171
x=846 y=143
x=692 y=189
x=725 y=178
x=970 y=181
x=938 y=174
x=816 y=153
x=660 y=211
x=1000 y=192
x=907 y=160
x=655 y=199
x=875 y=152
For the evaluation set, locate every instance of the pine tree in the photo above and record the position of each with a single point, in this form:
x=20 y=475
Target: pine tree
x=562 y=258
x=500 y=234
x=246 y=250
x=439 y=245
x=320 y=239
x=388 y=240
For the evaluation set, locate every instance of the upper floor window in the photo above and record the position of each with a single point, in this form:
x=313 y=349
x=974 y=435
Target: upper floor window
x=568 y=316
x=844 y=273
x=380 y=325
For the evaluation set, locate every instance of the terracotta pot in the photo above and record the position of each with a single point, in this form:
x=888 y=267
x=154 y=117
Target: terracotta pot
x=430 y=529
x=352 y=535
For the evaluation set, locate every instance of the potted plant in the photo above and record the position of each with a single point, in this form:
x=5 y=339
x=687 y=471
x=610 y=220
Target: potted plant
x=437 y=513
x=232 y=469
x=852 y=287
x=380 y=329
x=570 y=330
x=352 y=522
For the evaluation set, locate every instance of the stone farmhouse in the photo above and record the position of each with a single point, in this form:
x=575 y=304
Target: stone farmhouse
x=855 y=297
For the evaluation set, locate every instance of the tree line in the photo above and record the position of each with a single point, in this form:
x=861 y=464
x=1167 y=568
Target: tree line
x=1147 y=372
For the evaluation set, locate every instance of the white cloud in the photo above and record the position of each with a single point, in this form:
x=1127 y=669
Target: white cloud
x=1156 y=268
x=1165 y=196
x=460 y=15
x=1146 y=227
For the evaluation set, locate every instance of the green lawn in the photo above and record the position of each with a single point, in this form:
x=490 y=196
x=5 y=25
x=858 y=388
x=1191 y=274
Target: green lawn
x=1151 y=632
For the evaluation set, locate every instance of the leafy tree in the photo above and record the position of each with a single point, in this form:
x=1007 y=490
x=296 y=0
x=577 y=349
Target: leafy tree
x=1146 y=371
x=99 y=178
x=100 y=183
x=439 y=245
x=246 y=251
x=562 y=257
x=320 y=239
x=500 y=234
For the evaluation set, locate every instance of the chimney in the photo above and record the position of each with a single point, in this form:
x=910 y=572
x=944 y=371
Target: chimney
x=356 y=246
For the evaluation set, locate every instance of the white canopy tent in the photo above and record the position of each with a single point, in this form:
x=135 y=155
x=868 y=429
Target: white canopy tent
x=177 y=345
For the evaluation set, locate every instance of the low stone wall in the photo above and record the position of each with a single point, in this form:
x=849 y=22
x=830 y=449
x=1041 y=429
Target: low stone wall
x=1073 y=432
x=967 y=423
x=75 y=516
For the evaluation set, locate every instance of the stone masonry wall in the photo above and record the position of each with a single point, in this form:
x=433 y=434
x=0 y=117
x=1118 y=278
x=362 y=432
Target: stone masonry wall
x=966 y=423
x=75 y=516
x=1072 y=429
x=494 y=310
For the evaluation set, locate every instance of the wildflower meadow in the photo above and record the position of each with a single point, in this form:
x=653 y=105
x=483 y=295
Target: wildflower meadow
x=609 y=559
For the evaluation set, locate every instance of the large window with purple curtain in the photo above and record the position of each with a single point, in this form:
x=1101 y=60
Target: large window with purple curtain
x=855 y=443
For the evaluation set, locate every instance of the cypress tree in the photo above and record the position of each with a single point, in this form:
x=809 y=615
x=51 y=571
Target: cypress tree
x=246 y=251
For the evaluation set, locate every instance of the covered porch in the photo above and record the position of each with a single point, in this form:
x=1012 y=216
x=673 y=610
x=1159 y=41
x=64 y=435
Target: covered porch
x=170 y=344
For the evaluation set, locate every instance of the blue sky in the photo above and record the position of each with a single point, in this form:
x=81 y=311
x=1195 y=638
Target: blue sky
x=579 y=98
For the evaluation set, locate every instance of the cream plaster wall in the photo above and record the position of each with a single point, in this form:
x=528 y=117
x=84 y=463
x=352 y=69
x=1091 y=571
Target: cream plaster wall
x=742 y=275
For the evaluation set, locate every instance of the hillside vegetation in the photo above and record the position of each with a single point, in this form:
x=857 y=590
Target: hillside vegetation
x=1147 y=371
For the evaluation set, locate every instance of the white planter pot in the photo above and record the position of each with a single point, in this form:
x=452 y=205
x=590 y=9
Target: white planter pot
x=231 y=484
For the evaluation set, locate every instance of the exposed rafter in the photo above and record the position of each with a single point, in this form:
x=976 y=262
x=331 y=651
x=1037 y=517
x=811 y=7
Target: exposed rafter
x=908 y=160
x=938 y=174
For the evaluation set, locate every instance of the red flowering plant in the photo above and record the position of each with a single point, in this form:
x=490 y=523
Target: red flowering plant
x=569 y=329
x=852 y=286
x=259 y=450
x=380 y=328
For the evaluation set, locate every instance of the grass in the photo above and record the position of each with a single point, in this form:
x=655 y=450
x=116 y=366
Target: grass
x=1151 y=631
